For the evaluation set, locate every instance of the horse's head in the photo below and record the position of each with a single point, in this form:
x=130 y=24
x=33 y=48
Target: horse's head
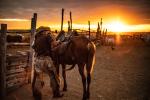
x=42 y=41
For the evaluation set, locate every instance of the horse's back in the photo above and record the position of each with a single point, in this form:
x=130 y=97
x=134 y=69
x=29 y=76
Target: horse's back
x=80 y=41
x=81 y=47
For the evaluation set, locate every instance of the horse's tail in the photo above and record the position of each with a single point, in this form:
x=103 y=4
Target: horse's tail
x=91 y=56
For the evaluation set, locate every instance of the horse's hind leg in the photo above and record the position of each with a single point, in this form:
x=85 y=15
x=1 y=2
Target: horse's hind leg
x=64 y=77
x=81 y=71
x=88 y=83
x=89 y=68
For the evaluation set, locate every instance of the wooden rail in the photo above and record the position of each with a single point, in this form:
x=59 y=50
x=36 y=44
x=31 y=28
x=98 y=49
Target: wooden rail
x=14 y=65
x=18 y=31
x=18 y=44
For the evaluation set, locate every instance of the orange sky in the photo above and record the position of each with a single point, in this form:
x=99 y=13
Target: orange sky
x=110 y=24
x=118 y=15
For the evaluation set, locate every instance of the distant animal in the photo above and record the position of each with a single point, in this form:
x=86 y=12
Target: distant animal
x=15 y=38
x=77 y=51
x=146 y=38
x=81 y=51
x=110 y=41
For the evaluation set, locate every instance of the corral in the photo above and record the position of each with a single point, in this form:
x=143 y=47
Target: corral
x=16 y=59
x=119 y=74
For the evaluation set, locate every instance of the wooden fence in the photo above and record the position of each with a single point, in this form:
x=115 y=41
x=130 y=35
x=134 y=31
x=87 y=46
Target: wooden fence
x=15 y=60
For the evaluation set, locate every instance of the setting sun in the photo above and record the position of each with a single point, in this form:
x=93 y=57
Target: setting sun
x=117 y=26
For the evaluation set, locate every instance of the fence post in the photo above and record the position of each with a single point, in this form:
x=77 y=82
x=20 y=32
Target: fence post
x=62 y=18
x=89 y=30
x=70 y=20
x=98 y=31
x=101 y=23
x=3 y=61
x=33 y=31
x=69 y=26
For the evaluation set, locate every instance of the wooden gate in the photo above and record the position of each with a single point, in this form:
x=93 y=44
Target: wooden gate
x=15 y=59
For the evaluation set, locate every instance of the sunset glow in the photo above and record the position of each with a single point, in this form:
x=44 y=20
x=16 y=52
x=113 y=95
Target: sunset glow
x=112 y=26
x=118 y=16
x=14 y=20
x=117 y=26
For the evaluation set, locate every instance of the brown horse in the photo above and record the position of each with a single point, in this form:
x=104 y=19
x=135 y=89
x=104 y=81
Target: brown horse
x=78 y=50
x=81 y=51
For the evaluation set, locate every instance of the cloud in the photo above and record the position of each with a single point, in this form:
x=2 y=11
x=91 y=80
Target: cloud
x=49 y=10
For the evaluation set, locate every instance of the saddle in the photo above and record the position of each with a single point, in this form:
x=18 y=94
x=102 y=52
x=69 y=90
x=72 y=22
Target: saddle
x=64 y=42
x=61 y=48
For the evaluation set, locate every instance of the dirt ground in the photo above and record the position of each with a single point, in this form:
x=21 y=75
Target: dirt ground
x=120 y=74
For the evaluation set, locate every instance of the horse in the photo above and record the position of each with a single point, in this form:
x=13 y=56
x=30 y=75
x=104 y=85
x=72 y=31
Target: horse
x=146 y=38
x=15 y=38
x=69 y=53
x=110 y=41
x=78 y=50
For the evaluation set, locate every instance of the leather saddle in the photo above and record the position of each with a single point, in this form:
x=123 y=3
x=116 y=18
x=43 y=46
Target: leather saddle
x=61 y=48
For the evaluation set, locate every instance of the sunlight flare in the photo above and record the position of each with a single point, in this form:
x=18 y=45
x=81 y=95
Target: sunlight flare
x=117 y=26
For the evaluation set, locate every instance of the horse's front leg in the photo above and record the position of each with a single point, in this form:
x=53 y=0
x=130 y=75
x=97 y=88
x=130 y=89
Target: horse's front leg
x=64 y=77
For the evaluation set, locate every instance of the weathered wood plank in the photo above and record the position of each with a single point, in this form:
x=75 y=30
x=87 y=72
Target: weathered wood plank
x=12 y=87
x=15 y=85
x=13 y=71
x=18 y=54
x=17 y=66
x=18 y=44
x=15 y=80
x=3 y=61
x=17 y=75
x=18 y=31
x=20 y=58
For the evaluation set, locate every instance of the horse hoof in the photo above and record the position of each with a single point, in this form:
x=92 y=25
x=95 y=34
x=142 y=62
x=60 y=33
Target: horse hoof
x=84 y=98
x=88 y=96
x=58 y=96
x=64 y=89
